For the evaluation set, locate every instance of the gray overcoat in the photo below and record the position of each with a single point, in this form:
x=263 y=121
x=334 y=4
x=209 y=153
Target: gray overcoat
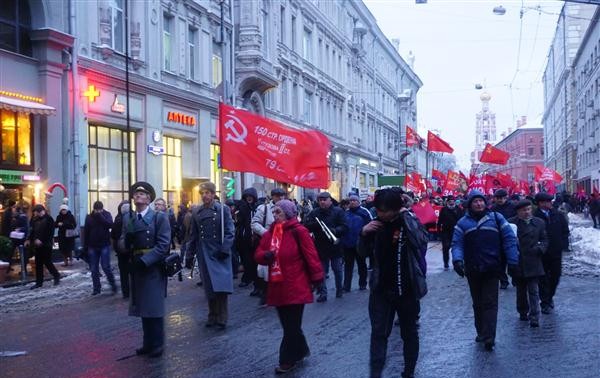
x=214 y=257
x=149 y=286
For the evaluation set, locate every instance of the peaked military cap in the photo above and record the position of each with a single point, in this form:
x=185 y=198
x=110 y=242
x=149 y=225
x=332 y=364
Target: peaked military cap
x=142 y=186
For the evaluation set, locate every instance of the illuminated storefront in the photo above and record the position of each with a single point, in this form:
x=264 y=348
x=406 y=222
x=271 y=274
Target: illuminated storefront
x=172 y=171
x=108 y=170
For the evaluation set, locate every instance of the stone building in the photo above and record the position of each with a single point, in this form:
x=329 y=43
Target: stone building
x=559 y=117
x=586 y=73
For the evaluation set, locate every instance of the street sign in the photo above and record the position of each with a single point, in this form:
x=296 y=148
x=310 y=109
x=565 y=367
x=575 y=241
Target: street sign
x=156 y=150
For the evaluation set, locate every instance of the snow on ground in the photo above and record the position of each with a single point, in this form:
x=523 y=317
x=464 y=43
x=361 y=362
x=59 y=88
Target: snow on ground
x=585 y=240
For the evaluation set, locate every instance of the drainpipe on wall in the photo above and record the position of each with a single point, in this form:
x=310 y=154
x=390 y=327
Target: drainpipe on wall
x=75 y=118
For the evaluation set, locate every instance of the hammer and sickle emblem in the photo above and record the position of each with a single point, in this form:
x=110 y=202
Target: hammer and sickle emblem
x=237 y=132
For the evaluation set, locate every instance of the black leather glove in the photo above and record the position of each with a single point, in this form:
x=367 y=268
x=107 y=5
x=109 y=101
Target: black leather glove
x=459 y=267
x=513 y=270
x=139 y=264
x=269 y=257
x=222 y=255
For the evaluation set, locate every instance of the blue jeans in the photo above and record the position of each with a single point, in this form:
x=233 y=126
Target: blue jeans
x=100 y=255
x=336 y=266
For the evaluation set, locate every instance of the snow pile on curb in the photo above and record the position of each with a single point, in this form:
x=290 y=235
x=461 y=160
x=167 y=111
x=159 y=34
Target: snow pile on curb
x=585 y=240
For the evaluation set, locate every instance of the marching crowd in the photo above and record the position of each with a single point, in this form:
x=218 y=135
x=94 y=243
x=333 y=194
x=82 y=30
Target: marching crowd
x=287 y=248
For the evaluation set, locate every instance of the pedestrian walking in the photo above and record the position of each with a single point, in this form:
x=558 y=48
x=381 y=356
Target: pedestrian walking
x=146 y=234
x=19 y=229
x=97 y=243
x=261 y=222
x=66 y=224
x=533 y=242
x=245 y=240
x=356 y=218
x=328 y=224
x=557 y=230
x=161 y=205
x=41 y=236
x=480 y=238
x=397 y=281
x=594 y=208
x=507 y=209
x=212 y=243
x=123 y=254
x=294 y=268
x=449 y=216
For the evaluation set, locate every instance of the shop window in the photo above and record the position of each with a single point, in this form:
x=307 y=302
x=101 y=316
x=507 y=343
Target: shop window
x=362 y=180
x=15 y=25
x=16 y=149
x=108 y=166
x=172 y=171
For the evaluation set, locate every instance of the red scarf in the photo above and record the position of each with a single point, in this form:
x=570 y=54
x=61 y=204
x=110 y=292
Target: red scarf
x=275 y=274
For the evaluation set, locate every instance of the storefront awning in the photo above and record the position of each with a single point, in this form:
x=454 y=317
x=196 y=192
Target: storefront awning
x=24 y=106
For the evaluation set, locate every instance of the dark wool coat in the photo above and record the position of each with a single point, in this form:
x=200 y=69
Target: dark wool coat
x=533 y=243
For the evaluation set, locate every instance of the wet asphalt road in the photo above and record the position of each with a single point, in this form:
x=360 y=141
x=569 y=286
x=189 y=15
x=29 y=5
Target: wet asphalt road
x=95 y=337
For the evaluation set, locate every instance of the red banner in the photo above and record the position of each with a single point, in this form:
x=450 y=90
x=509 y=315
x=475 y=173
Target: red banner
x=477 y=183
x=412 y=137
x=424 y=211
x=435 y=143
x=493 y=155
x=524 y=188
x=452 y=181
x=546 y=174
x=437 y=174
x=251 y=143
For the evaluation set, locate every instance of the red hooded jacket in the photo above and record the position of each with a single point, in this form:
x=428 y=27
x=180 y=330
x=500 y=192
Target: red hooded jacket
x=300 y=265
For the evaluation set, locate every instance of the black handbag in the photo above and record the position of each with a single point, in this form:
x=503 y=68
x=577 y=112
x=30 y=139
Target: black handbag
x=173 y=264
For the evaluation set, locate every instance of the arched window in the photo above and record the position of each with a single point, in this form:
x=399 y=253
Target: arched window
x=15 y=24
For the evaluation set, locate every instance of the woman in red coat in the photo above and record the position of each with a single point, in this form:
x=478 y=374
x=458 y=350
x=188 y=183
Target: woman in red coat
x=294 y=268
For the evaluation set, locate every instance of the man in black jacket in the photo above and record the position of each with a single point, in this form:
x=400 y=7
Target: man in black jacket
x=330 y=250
x=245 y=241
x=41 y=235
x=533 y=242
x=397 y=281
x=503 y=206
x=123 y=256
x=449 y=215
x=557 y=230
x=97 y=242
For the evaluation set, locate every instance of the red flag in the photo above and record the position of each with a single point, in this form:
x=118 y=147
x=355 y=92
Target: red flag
x=452 y=181
x=424 y=211
x=491 y=184
x=505 y=180
x=435 y=143
x=251 y=143
x=477 y=183
x=410 y=185
x=524 y=187
x=437 y=174
x=412 y=137
x=546 y=174
x=493 y=155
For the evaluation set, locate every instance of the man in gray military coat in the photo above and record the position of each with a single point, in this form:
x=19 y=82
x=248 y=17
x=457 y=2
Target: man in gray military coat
x=213 y=249
x=146 y=234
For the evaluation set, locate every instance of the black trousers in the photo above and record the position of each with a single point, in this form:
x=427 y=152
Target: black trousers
x=549 y=283
x=446 y=244
x=124 y=272
x=528 y=298
x=484 y=293
x=293 y=346
x=43 y=257
x=154 y=332
x=218 y=311
x=382 y=310
x=249 y=264
x=351 y=255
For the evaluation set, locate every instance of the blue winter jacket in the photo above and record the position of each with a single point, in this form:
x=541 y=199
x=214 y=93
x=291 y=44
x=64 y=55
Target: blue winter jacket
x=356 y=219
x=478 y=243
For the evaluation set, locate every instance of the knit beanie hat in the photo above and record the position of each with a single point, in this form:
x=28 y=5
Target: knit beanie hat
x=64 y=207
x=288 y=208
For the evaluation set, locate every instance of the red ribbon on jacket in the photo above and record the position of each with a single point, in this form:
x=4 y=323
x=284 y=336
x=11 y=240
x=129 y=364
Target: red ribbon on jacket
x=275 y=274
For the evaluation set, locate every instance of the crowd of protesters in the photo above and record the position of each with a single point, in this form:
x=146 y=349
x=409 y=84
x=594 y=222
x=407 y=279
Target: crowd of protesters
x=284 y=250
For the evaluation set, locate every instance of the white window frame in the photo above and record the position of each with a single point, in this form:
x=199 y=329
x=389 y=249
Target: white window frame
x=116 y=12
x=192 y=58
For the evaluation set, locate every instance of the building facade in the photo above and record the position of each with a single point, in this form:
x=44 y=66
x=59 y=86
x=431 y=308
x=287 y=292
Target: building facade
x=586 y=72
x=526 y=148
x=321 y=65
x=559 y=118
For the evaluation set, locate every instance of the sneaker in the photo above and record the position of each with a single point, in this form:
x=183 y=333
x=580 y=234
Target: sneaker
x=322 y=298
x=284 y=368
x=523 y=317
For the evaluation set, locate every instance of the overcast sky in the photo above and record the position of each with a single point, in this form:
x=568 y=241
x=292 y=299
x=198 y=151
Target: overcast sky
x=458 y=43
